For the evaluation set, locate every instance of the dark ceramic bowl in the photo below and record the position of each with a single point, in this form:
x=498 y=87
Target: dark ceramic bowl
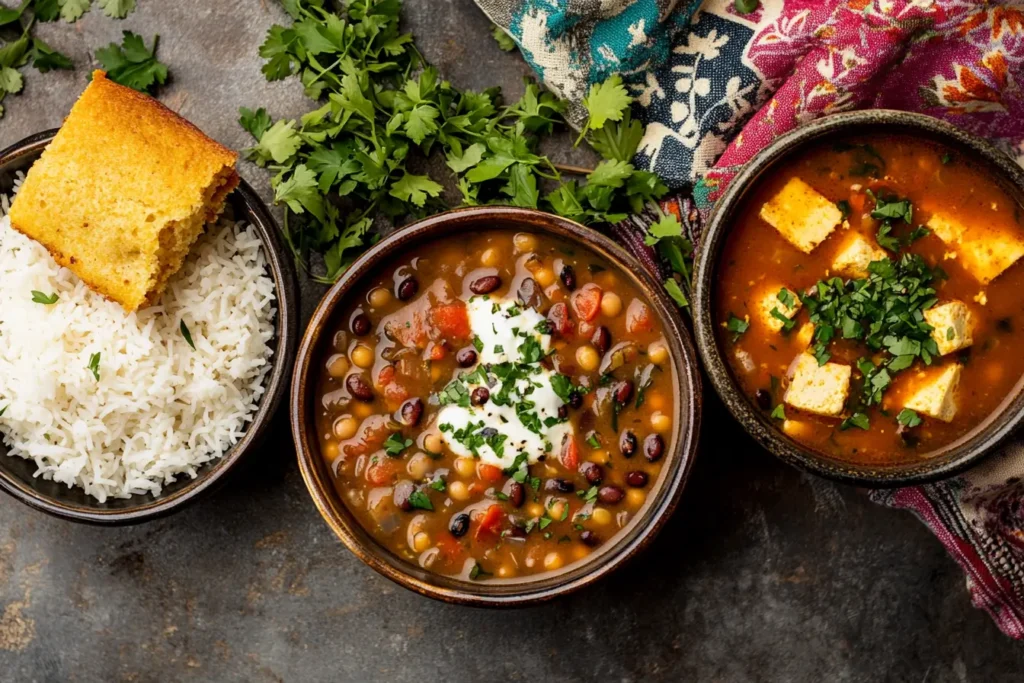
x=16 y=474
x=941 y=463
x=317 y=473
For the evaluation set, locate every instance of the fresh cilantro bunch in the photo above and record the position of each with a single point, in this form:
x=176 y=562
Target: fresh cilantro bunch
x=20 y=48
x=383 y=112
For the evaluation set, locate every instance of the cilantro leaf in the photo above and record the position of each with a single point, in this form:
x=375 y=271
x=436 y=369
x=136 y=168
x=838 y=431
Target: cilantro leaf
x=415 y=189
x=46 y=300
x=117 y=9
x=133 y=64
x=395 y=444
x=737 y=326
x=676 y=292
x=72 y=10
x=94 y=365
x=420 y=500
x=45 y=58
x=606 y=102
x=256 y=123
x=503 y=39
x=666 y=226
x=859 y=420
x=779 y=412
x=908 y=418
x=183 y=328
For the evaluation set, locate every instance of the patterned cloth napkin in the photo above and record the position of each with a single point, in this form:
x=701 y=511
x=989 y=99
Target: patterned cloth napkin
x=714 y=86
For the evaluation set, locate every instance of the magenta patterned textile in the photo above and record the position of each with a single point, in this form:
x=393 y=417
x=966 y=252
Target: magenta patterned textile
x=954 y=59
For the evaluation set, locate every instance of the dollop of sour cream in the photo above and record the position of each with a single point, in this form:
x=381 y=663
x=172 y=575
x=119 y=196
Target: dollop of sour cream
x=521 y=415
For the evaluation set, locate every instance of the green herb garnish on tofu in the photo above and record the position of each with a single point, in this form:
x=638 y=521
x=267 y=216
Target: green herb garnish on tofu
x=908 y=418
x=737 y=326
x=779 y=412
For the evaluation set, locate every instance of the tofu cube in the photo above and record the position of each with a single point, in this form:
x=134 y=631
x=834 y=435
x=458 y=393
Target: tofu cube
x=985 y=251
x=855 y=256
x=801 y=215
x=804 y=335
x=936 y=395
x=771 y=302
x=952 y=323
x=821 y=390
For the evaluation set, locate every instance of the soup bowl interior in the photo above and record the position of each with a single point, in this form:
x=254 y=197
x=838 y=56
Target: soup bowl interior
x=17 y=475
x=936 y=464
x=320 y=479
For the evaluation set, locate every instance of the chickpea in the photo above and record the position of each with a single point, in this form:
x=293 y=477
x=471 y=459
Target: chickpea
x=556 y=510
x=435 y=373
x=345 y=427
x=599 y=456
x=545 y=277
x=362 y=356
x=432 y=443
x=535 y=510
x=579 y=551
x=524 y=242
x=588 y=358
x=611 y=304
x=362 y=410
x=465 y=467
x=458 y=490
x=421 y=541
x=506 y=571
x=655 y=399
x=553 y=561
x=491 y=257
x=635 y=497
x=418 y=465
x=380 y=297
x=337 y=366
x=657 y=353
x=601 y=516
x=330 y=450
x=660 y=422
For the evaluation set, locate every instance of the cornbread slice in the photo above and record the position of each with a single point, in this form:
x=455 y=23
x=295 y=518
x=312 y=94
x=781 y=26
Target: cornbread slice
x=123 y=191
x=802 y=215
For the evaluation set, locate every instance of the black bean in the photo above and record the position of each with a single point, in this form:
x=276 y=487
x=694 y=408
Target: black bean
x=403 y=490
x=589 y=538
x=654 y=448
x=559 y=486
x=485 y=284
x=908 y=435
x=623 y=392
x=459 y=525
x=466 y=357
x=636 y=479
x=563 y=412
x=568 y=276
x=610 y=495
x=627 y=443
x=410 y=412
x=592 y=471
x=764 y=399
x=359 y=388
x=516 y=493
x=529 y=293
x=360 y=324
x=601 y=339
x=480 y=396
x=575 y=401
x=407 y=288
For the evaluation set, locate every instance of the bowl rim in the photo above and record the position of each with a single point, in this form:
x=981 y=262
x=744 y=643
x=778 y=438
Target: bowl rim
x=282 y=269
x=359 y=542
x=941 y=463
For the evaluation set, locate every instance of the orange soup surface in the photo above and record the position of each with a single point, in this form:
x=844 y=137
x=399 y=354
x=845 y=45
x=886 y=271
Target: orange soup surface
x=869 y=297
x=497 y=405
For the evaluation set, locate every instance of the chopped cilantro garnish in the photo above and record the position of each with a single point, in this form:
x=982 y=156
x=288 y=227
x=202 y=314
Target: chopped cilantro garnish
x=779 y=413
x=908 y=418
x=46 y=300
x=420 y=500
x=477 y=571
x=592 y=440
x=477 y=344
x=438 y=484
x=94 y=365
x=859 y=420
x=737 y=326
x=395 y=444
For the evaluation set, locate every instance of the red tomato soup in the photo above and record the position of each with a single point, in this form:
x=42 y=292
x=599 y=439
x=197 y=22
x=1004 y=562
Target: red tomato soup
x=497 y=405
x=869 y=297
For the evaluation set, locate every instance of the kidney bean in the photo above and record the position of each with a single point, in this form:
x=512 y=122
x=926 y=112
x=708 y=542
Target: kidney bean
x=568 y=276
x=593 y=472
x=359 y=388
x=636 y=479
x=403 y=490
x=480 y=396
x=561 y=323
x=485 y=284
x=559 y=486
x=627 y=443
x=530 y=294
x=466 y=357
x=360 y=324
x=654 y=447
x=563 y=412
x=407 y=288
x=589 y=538
x=601 y=339
x=516 y=493
x=764 y=399
x=610 y=495
x=623 y=392
x=459 y=525
x=410 y=412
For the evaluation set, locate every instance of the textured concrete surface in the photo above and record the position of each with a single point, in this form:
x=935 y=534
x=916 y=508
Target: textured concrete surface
x=763 y=574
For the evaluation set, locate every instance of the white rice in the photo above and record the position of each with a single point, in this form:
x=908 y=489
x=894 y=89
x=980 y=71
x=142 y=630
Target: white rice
x=159 y=408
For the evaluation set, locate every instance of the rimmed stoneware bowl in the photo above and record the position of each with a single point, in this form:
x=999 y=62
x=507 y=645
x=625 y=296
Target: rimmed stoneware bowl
x=317 y=473
x=17 y=474
x=941 y=463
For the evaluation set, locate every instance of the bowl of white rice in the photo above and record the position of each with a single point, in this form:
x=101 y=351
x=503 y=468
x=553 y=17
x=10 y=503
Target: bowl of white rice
x=115 y=418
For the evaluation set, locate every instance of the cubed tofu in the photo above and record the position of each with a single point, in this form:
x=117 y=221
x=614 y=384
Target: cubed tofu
x=804 y=335
x=818 y=389
x=952 y=323
x=936 y=394
x=771 y=302
x=855 y=256
x=985 y=251
x=801 y=215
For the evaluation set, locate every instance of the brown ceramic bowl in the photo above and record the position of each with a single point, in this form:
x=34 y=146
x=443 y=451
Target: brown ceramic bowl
x=17 y=475
x=317 y=473
x=941 y=463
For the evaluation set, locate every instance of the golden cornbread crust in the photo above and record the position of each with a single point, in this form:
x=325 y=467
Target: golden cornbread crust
x=123 y=192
